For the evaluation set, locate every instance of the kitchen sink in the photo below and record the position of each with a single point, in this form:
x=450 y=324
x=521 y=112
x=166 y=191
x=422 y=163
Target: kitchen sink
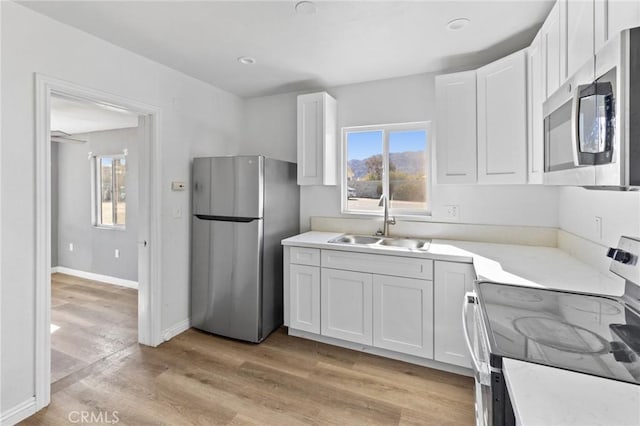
x=380 y=242
x=356 y=239
x=406 y=243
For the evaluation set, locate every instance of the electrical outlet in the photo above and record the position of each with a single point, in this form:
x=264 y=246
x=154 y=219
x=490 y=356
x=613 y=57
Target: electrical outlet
x=117 y=253
x=70 y=246
x=453 y=211
x=598 y=227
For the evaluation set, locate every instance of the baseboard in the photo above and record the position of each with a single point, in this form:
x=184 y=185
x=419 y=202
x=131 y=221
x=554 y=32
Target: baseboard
x=176 y=329
x=383 y=352
x=18 y=413
x=95 y=277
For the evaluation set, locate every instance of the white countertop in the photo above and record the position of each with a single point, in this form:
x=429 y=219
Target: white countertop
x=549 y=396
x=541 y=395
x=544 y=267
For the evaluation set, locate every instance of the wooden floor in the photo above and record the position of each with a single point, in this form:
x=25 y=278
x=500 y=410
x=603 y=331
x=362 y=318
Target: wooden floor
x=93 y=320
x=197 y=378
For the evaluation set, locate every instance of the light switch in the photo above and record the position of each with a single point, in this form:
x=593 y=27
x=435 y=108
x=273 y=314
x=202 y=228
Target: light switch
x=177 y=213
x=116 y=253
x=70 y=246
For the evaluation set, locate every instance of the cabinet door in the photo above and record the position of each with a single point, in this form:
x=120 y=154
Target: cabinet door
x=580 y=33
x=456 y=127
x=613 y=16
x=535 y=96
x=451 y=281
x=403 y=315
x=304 y=298
x=316 y=139
x=551 y=51
x=502 y=120
x=346 y=305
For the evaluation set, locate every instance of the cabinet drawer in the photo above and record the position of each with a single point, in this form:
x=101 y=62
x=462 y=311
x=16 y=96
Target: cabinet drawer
x=378 y=264
x=305 y=256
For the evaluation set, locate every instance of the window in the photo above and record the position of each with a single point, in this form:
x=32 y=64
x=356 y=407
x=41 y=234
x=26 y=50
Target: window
x=392 y=160
x=110 y=192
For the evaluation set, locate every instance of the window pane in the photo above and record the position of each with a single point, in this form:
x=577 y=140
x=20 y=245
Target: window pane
x=106 y=192
x=408 y=170
x=364 y=170
x=119 y=189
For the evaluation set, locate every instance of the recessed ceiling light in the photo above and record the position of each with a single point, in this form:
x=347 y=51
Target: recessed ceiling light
x=246 y=60
x=306 y=8
x=458 y=24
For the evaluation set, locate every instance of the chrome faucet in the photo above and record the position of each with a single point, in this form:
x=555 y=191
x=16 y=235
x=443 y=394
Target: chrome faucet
x=385 y=224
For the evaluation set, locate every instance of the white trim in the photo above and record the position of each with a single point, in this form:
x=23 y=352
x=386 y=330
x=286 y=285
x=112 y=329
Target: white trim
x=175 y=329
x=1 y=417
x=107 y=279
x=411 y=359
x=18 y=413
x=385 y=128
x=149 y=251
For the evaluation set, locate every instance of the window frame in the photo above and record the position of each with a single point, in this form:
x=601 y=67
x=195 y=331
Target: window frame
x=385 y=129
x=96 y=192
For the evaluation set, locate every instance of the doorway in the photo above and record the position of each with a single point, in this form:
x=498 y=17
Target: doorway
x=148 y=231
x=94 y=221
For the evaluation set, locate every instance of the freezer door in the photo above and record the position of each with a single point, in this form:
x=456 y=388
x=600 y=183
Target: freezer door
x=228 y=186
x=226 y=278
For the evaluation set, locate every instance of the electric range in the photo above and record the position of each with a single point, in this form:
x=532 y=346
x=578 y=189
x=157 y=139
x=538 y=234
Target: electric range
x=587 y=333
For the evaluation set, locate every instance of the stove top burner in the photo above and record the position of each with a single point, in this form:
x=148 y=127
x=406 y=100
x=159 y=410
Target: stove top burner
x=560 y=335
x=598 y=335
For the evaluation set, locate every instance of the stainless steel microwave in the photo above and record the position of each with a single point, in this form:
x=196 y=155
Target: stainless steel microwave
x=592 y=122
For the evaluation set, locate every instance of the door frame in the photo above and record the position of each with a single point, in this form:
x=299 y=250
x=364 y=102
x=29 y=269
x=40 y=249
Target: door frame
x=149 y=241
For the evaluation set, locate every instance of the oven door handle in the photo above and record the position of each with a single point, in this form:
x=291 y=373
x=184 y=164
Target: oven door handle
x=469 y=296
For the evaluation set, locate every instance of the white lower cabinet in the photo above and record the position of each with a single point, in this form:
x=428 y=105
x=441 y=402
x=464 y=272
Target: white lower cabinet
x=451 y=282
x=417 y=311
x=403 y=315
x=304 y=298
x=346 y=305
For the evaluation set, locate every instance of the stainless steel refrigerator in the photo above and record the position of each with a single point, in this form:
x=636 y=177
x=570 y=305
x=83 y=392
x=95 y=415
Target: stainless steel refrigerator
x=242 y=208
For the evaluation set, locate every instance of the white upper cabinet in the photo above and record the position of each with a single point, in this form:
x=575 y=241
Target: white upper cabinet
x=535 y=97
x=551 y=52
x=579 y=33
x=456 y=127
x=502 y=120
x=317 y=147
x=613 y=16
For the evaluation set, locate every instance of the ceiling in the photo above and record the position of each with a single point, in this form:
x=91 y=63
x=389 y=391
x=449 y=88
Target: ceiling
x=72 y=116
x=343 y=42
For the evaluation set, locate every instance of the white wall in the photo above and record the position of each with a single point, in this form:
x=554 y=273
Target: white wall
x=271 y=130
x=198 y=119
x=578 y=208
x=71 y=222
